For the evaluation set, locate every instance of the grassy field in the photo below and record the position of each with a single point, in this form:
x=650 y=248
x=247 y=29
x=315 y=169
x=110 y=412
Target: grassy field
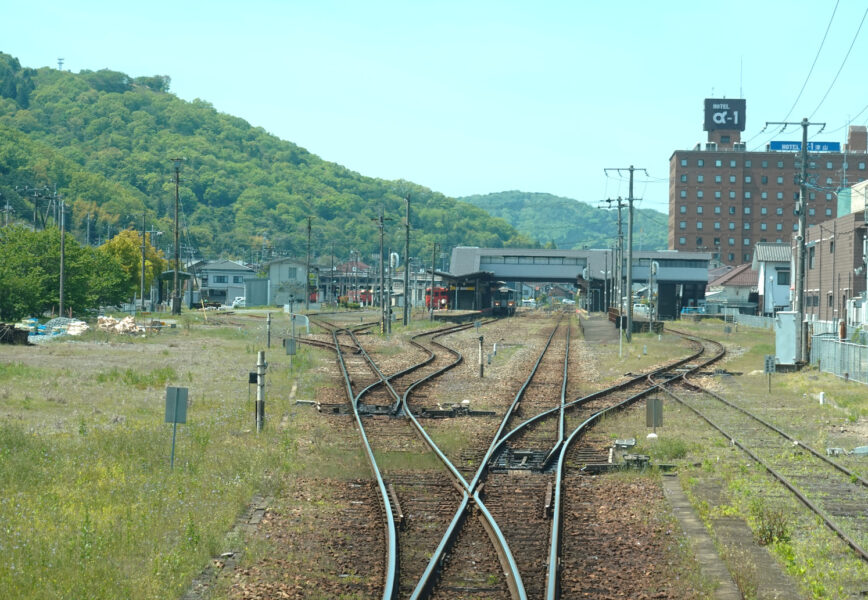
x=90 y=507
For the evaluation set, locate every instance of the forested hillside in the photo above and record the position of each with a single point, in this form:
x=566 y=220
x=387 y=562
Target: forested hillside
x=104 y=142
x=570 y=224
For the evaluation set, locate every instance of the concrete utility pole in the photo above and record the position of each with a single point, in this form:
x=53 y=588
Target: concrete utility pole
x=801 y=209
x=629 y=290
x=619 y=254
x=176 y=299
x=407 y=264
x=62 y=253
x=144 y=228
x=307 y=270
x=433 y=266
x=382 y=278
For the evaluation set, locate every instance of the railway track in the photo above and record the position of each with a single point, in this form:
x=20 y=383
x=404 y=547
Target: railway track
x=837 y=495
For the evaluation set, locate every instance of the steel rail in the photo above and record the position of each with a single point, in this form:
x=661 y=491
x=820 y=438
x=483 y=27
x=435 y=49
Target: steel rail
x=390 y=587
x=553 y=563
x=834 y=464
x=561 y=424
x=804 y=499
x=426 y=582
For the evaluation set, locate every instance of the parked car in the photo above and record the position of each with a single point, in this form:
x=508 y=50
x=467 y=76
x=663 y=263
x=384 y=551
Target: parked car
x=642 y=310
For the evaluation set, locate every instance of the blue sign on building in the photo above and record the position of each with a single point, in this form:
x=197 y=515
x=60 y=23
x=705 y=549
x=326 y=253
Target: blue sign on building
x=812 y=146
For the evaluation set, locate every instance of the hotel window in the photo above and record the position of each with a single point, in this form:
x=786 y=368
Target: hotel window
x=780 y=164
x=828 y=180
x=731 y=241
x=698 y=241
x=700 y=163
x=684 y=178
x=812 y=196
x=699 y=224
x=746 y=256
x=763 y=227
x=699 y=193
x=780 y=180
x=828 y=212
x=682 y=225
x=861 y=166
x=745 y=242
x=795 y=226
x=717 y=194
x=811 y=212
x=779 y=195
x=732 y=210
x=717 y=163
x=764 y=210
x=732 y=164
x=747 y=195
x=765 y=164
x=732 y=194
x=683 y=193
x=698 y=210
x=683 y=162
x=717 y=225
x=828 y=164
x=747 y=210
x=682 y=209
x=779 y=211
x=829 y=196
x=732 y=178
x=717 y=241
x=779 y=227
x=731 y=226
x=717 y=179
x=746 y=226
x=682 y=240
x=764 y=195
x=764 y=179
x=700 y=178
x=748 y=164
x=747 y=178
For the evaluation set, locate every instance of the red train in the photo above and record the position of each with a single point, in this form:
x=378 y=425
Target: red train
x=361 y=296
x=441 y=298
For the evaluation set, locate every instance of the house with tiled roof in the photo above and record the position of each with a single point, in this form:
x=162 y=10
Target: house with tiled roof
x=736 y=289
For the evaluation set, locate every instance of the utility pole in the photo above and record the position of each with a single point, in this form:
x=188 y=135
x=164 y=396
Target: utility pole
x=176 y=299
x=380 y=223
x=407 y=264
x=307 y=275
x=144 y=227
x=801 y=209
x=619 y=255
x=431 y=293
x=62 y=254
x=629 y=290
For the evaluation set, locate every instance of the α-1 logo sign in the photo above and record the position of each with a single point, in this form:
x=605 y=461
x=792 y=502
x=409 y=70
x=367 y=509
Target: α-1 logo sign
x=724 y=114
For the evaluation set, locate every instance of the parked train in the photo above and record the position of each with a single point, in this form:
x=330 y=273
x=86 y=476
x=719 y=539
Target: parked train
x=441 y=298
x=503 y=302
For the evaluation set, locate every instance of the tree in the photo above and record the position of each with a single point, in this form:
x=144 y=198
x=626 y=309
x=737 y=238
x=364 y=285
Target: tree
x=126 y=249
x=30 y=274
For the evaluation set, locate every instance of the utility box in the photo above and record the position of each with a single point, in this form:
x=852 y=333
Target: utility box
x=786 y=334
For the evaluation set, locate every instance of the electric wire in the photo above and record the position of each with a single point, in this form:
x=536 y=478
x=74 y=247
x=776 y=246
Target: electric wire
x=814 y=64
x=841 y=68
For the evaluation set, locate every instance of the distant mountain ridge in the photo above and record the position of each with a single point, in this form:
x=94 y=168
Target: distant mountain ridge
x=571 y=224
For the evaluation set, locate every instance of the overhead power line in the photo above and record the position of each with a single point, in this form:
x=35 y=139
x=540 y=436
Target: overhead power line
x=843 y=62
x=814 y=64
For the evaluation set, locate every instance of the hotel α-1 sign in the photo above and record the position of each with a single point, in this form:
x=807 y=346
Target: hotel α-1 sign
x=724 y=114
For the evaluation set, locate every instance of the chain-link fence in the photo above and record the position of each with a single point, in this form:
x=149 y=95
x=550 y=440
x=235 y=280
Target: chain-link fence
x=843 y=359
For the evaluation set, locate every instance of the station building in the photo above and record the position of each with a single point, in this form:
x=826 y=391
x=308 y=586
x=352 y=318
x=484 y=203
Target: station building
x=724 y=199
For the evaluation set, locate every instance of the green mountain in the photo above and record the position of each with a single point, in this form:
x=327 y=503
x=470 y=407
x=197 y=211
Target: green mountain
x=570 y=224
x=104 y=142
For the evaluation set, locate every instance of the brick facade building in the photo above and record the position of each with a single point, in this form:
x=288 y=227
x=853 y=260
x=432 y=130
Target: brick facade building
x=724 y=199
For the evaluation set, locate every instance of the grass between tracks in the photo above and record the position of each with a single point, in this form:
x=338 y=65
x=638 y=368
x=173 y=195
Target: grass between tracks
x=724 y=483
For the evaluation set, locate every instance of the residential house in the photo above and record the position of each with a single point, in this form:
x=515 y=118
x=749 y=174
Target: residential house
x=221 y=280
x=772 y=261
x=286 y=277
x=737 y=289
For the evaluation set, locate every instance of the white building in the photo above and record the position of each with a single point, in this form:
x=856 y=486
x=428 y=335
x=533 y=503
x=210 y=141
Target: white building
x=772 y=261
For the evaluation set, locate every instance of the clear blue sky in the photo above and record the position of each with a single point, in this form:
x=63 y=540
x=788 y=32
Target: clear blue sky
x=476 y=97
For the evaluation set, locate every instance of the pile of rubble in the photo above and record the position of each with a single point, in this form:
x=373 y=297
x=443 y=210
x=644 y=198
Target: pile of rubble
x=112 y=325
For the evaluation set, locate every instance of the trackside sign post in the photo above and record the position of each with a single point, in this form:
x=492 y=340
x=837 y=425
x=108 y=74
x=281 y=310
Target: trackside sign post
x=176 y=412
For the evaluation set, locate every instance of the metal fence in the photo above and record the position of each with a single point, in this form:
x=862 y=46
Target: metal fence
x=840 y=358
x=755 y=321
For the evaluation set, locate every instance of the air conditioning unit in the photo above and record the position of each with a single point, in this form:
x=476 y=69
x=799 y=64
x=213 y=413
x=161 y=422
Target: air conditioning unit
x=739 y=146
x=711 y=147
